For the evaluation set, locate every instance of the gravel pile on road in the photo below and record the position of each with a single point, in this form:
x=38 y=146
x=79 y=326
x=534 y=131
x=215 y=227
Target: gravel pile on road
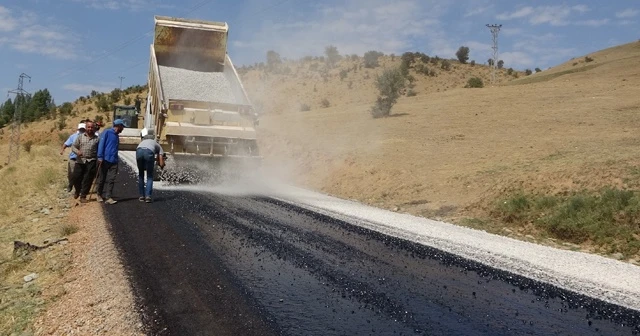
x=185 y=84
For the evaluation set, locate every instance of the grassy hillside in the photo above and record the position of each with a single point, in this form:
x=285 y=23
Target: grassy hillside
x=462 y=154
x=292 y=84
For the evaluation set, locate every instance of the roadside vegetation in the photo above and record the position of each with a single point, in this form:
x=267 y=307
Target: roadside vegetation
x=607 y=219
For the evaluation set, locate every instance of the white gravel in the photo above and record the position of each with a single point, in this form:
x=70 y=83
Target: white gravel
x=192 y=85
x=595 y=276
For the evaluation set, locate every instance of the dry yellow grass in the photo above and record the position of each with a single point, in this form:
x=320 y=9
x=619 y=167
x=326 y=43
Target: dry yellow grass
x=32 y=211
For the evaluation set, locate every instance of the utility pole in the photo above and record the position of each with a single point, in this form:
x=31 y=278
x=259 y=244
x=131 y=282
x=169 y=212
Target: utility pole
x=14 y=142
x=121 y=78
x=495 y=29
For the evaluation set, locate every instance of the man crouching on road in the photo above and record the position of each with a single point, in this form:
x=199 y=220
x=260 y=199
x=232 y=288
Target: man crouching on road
x=86 y=148
x=108 y=161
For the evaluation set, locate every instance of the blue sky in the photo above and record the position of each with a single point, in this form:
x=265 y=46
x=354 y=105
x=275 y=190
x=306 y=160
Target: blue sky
x=74 y=46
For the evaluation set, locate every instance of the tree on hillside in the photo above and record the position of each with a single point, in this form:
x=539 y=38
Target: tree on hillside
x=446 y=65
x=273 y=59
x=500 y=64
x=538 y=69
x=463 y=54
x=490 y=62
x=65 y=108
x=371 y=58
x=39 y=106
x=408 y=58
x=102 y=104
x=528 y=72
x=115 y=95
x=333 y=56
x=6 y=112
x=389 y=84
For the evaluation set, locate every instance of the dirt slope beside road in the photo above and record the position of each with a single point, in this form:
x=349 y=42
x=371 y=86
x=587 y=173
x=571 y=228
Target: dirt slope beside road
x=97 y=298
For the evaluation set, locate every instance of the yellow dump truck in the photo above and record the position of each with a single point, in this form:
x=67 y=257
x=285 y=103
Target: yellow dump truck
x=197 y=105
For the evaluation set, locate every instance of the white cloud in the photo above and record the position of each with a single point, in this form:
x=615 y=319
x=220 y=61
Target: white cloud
x=478 y=10
x=537 y=51
x=25 y=32
x=581 y=8
x=592 y=23
x=626 y=22
x=553 y=15
x=520 y=13
x=134 y=5
x=7 y=22
x=84 y=88
x=627 y=13
x=356 y=26
x=511 y=31
x=516 y=59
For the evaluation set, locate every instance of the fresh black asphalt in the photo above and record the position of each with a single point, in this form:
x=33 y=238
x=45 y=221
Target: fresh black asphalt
x=207 y=264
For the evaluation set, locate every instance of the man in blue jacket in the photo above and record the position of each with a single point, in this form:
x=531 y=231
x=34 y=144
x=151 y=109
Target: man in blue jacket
x=108 y=161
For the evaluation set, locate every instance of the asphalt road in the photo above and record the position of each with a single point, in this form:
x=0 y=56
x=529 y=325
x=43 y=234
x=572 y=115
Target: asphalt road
x=206 y=264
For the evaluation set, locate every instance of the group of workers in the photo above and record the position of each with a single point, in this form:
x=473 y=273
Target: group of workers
x=94 y=160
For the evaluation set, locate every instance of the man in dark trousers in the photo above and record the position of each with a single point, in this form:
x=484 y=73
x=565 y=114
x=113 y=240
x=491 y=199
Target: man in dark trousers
x=86 y=148
x=108 y=161
x=146 y=154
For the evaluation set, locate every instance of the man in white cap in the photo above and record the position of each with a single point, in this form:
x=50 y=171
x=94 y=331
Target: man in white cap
x=72 y=156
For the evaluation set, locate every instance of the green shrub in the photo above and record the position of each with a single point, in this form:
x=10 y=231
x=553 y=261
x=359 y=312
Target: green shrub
x=389 y=85
x=528 y=72
x=62 y=122
x=446 y=65
x=411 y=93
x=474 y=82
x=588 y=59
x=62 y=136
x=343 y=74
x=127 y=100
x=68 y=229
x=27 y=146
x=463 y=54
x=305 y=107
x=324 y=103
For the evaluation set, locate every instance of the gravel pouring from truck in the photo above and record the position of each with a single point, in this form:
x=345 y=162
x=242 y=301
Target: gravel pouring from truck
x=197 y=105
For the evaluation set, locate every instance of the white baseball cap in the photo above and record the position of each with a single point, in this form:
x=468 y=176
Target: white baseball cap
x=82 y=125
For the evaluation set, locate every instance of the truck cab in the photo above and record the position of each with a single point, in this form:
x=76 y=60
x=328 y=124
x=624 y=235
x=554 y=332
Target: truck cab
x=130 y=136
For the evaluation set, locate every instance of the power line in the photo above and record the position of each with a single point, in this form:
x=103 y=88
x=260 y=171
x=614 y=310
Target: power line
x=14 y=142
x=495 y=29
